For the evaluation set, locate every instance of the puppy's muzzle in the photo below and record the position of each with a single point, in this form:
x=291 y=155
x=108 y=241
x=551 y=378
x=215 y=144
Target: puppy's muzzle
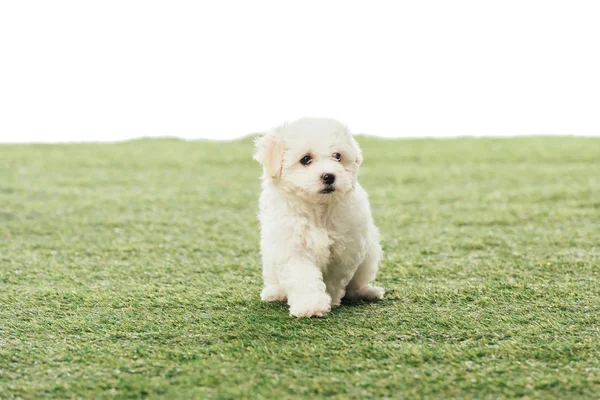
x=328 y=180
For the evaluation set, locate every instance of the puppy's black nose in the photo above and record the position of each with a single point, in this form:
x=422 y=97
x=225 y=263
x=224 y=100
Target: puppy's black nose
x=328 y=178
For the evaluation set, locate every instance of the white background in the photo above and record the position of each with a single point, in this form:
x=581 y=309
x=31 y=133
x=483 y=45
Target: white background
x=111 y=70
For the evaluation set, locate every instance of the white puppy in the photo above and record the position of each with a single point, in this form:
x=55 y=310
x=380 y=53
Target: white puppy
x=318 y=240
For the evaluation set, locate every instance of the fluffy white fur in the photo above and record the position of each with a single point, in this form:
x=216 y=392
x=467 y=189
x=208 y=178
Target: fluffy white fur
x=316 y=247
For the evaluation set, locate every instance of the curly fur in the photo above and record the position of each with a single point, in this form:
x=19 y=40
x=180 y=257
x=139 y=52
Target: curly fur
x=316 y=247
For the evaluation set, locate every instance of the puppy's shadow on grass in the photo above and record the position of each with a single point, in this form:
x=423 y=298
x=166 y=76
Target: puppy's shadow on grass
x=389 y=297
x=279 y=310
x=273 y=309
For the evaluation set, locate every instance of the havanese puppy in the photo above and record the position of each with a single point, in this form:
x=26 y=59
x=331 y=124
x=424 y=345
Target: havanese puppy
x=318 y=240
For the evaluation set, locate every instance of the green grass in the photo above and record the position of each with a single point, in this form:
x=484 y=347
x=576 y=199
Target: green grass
x=131 y=270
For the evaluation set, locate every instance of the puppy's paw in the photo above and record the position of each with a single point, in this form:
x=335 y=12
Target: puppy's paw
x=310 y=305
x=367 y=292
x=272 y=293
x=336 y=297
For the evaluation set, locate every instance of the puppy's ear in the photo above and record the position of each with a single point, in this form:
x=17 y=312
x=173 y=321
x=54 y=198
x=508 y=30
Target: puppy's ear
x=357 y=150
x=269 y=153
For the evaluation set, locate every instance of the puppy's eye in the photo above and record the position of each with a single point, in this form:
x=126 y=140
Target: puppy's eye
x=305 y=160
x=337 y=156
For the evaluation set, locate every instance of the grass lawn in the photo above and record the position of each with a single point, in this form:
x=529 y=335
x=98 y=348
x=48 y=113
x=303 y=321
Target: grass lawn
x=131 y=270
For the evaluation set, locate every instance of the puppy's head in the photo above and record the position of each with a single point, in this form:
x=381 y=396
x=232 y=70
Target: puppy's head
x=314 y=158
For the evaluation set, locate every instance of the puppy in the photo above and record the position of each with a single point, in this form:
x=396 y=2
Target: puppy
x=318 y=239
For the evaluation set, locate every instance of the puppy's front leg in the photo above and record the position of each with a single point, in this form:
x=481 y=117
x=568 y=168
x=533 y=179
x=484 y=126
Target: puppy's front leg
x=303 y=282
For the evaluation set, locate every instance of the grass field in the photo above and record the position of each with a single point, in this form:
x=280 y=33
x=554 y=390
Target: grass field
x=131 y=270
